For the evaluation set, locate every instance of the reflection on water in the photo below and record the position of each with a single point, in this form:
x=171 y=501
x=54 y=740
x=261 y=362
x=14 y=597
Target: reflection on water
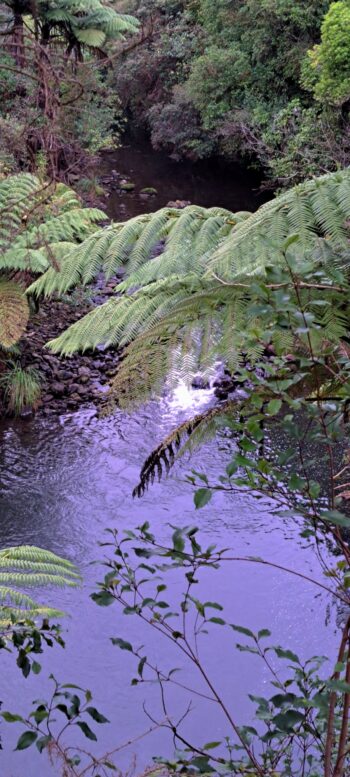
x=210 y=183
x=62 y=483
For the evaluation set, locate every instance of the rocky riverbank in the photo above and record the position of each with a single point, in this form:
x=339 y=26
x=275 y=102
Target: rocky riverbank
x=67 y=383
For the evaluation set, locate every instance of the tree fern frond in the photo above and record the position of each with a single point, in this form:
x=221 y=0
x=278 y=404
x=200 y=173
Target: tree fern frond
x=163 y=457
x=311 y=210
x=24 y=567
x=14 y=313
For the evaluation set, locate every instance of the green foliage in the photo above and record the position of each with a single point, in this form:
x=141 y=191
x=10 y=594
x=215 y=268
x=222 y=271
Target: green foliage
x=292 y=722
x=39 y=223
x=90 y=24
x=21 y=388
x=197 y=301
x=27 y=566
x=327 y=71
x=69 y=707
x=232 y=70
x=14 y=313
x=217 y=82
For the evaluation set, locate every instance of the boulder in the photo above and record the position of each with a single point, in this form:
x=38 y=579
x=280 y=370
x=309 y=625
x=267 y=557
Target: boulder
x=199 y=382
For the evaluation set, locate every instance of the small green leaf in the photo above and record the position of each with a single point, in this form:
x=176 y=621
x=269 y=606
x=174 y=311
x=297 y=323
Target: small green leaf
x=96 y=715
x=202 y=497
x=287 y=654
x=26 y=740
x=10 y=718
x=274 y=406
x=178 y=541
x=86 y=730
x=103 y=598
x=334 y=516
x=285 y=721
x=122 y=644
x=242 y=630
x=42 y=743
x=264 y=633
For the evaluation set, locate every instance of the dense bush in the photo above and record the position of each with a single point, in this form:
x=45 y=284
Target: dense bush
x=264 y=79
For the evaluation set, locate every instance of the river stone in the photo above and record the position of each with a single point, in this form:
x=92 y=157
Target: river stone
x=199 y=382
x=126 y=187
x=58 y=389
x=65 y=374
x=220 y=393
x=84 y=372
x=26 y=413
x=82 y=390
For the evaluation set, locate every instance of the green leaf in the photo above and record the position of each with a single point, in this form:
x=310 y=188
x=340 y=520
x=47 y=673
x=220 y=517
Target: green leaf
x=10 y=718
x=36 y=668
x=103 y=598
x=274 y=406
x=287 y=654
x=334 y=516
x=141 y=665
x=43 y=742
x=211 y=745
x=178 y=541
x=285 y=721
x=242 y=630
x=264 y=633
x=202 y=497
x=86 y=730
x=122 y=644
x=96 y=715
x=26 y=740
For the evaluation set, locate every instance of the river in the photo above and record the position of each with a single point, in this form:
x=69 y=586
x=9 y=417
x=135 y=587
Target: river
x=65 y=480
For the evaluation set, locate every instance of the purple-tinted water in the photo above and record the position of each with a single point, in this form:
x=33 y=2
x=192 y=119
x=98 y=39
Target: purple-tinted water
x=62 y=483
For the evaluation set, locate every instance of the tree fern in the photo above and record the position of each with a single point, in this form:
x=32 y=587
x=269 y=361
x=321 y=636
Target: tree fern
x=26 y=567
x=39 y=225
x=195 y=301
x=14 y=313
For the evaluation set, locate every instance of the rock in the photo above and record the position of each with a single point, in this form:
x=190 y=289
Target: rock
x=150 y=190
x=84 y=372
x=26 y=413
x=180 y=204
x=84 y=379
x=58 y=389
x=65 y=374
x=126 y=186
x=82 y=391
x=199 y=382
x=221 y=393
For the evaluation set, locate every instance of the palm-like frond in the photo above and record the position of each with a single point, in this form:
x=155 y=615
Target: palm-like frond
x=318 y=208
x=39 y=225
x=186 y=436
x=90 y=22
x=192 y=303
x=14 y=313
x=27 y=566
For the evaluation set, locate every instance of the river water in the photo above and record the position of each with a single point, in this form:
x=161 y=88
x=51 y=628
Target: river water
x=63 y=481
